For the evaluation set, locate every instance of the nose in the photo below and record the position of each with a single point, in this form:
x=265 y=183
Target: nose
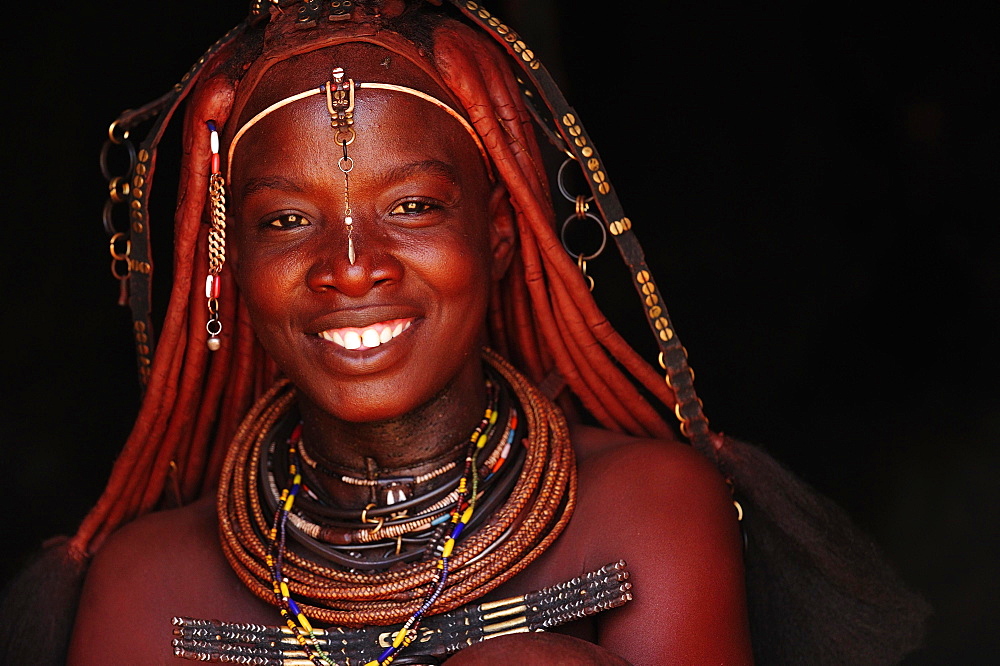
x=374 y=262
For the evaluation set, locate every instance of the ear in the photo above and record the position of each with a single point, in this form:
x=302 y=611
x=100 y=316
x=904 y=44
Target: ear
x=503 y=230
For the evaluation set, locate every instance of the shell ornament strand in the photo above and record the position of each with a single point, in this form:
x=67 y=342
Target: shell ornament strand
x=465 y=565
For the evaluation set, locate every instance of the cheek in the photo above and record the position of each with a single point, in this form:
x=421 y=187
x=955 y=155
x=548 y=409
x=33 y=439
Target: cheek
x=266 y=283
x=457 y=265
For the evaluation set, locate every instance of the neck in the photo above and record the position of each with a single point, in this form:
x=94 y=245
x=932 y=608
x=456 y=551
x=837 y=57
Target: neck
x=417 y=442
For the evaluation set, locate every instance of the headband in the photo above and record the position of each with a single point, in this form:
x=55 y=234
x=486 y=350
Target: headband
x=327 y=88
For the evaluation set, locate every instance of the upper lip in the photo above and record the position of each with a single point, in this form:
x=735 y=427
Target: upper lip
x=361 y=317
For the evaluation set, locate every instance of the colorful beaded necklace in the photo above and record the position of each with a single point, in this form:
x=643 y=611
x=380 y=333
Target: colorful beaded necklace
x=485 y=538
x=459 y=516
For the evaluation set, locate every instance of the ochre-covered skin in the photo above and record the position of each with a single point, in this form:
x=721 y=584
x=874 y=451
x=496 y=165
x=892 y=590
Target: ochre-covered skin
x=679 y=537
x=434 y=237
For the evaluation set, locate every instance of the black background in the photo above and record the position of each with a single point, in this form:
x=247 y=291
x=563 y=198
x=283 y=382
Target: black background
x=816 y=191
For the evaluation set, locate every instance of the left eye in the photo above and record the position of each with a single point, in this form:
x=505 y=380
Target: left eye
x=411 y=208
x=288 y=221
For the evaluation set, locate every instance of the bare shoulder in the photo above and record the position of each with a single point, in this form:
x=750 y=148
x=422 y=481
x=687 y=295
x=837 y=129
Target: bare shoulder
x=659 y=476
x=164 y=564
x=665 y=509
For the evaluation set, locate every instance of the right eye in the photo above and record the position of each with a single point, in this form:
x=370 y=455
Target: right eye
x=287 y=221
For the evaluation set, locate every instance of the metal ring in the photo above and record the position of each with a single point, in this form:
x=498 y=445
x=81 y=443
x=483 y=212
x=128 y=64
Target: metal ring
x=111 y=133
x=582 y=265
x=109 y=225
x=118 y=189
x=118 y=256
x=562 y=188
x=349 y=160
x=347 y=131
x=215 y=330
x=114 y=269
x=106 y=147
x=381 y=521
x=584 y=257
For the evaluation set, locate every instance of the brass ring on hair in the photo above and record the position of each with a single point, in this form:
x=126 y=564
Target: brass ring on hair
x=346 y=160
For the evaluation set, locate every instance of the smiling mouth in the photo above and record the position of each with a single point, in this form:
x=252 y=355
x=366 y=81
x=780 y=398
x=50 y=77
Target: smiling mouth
x=360 y=339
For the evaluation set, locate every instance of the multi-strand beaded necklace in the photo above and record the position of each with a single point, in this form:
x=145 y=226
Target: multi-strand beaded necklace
x=502 y=513
x=459 y=516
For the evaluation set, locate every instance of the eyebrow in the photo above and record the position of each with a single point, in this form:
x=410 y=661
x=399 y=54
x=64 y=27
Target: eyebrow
x=434 y=168
x=255 y=185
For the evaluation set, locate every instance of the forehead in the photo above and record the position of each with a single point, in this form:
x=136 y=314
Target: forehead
x=391 y=126
x=360 y=61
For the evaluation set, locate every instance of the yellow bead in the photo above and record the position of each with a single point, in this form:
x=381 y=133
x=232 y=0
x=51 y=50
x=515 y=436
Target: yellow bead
x=304 y=621
x=398 y=640
x=297 y=479
x=482 y=441
x=467 y=516
x=284 y=590
x=493 y=417
x=289 y=502
x=448 y=546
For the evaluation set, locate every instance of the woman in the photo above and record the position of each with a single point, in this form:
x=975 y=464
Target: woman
x=377 y=214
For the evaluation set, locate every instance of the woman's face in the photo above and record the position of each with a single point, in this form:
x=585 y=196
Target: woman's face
x=424 y=233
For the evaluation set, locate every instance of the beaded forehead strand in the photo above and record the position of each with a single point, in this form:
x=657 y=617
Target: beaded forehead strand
x=340 y=104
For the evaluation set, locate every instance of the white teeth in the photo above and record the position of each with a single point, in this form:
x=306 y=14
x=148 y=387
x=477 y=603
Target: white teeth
x=370 y=338
x=373 y=336
x=352 y=340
